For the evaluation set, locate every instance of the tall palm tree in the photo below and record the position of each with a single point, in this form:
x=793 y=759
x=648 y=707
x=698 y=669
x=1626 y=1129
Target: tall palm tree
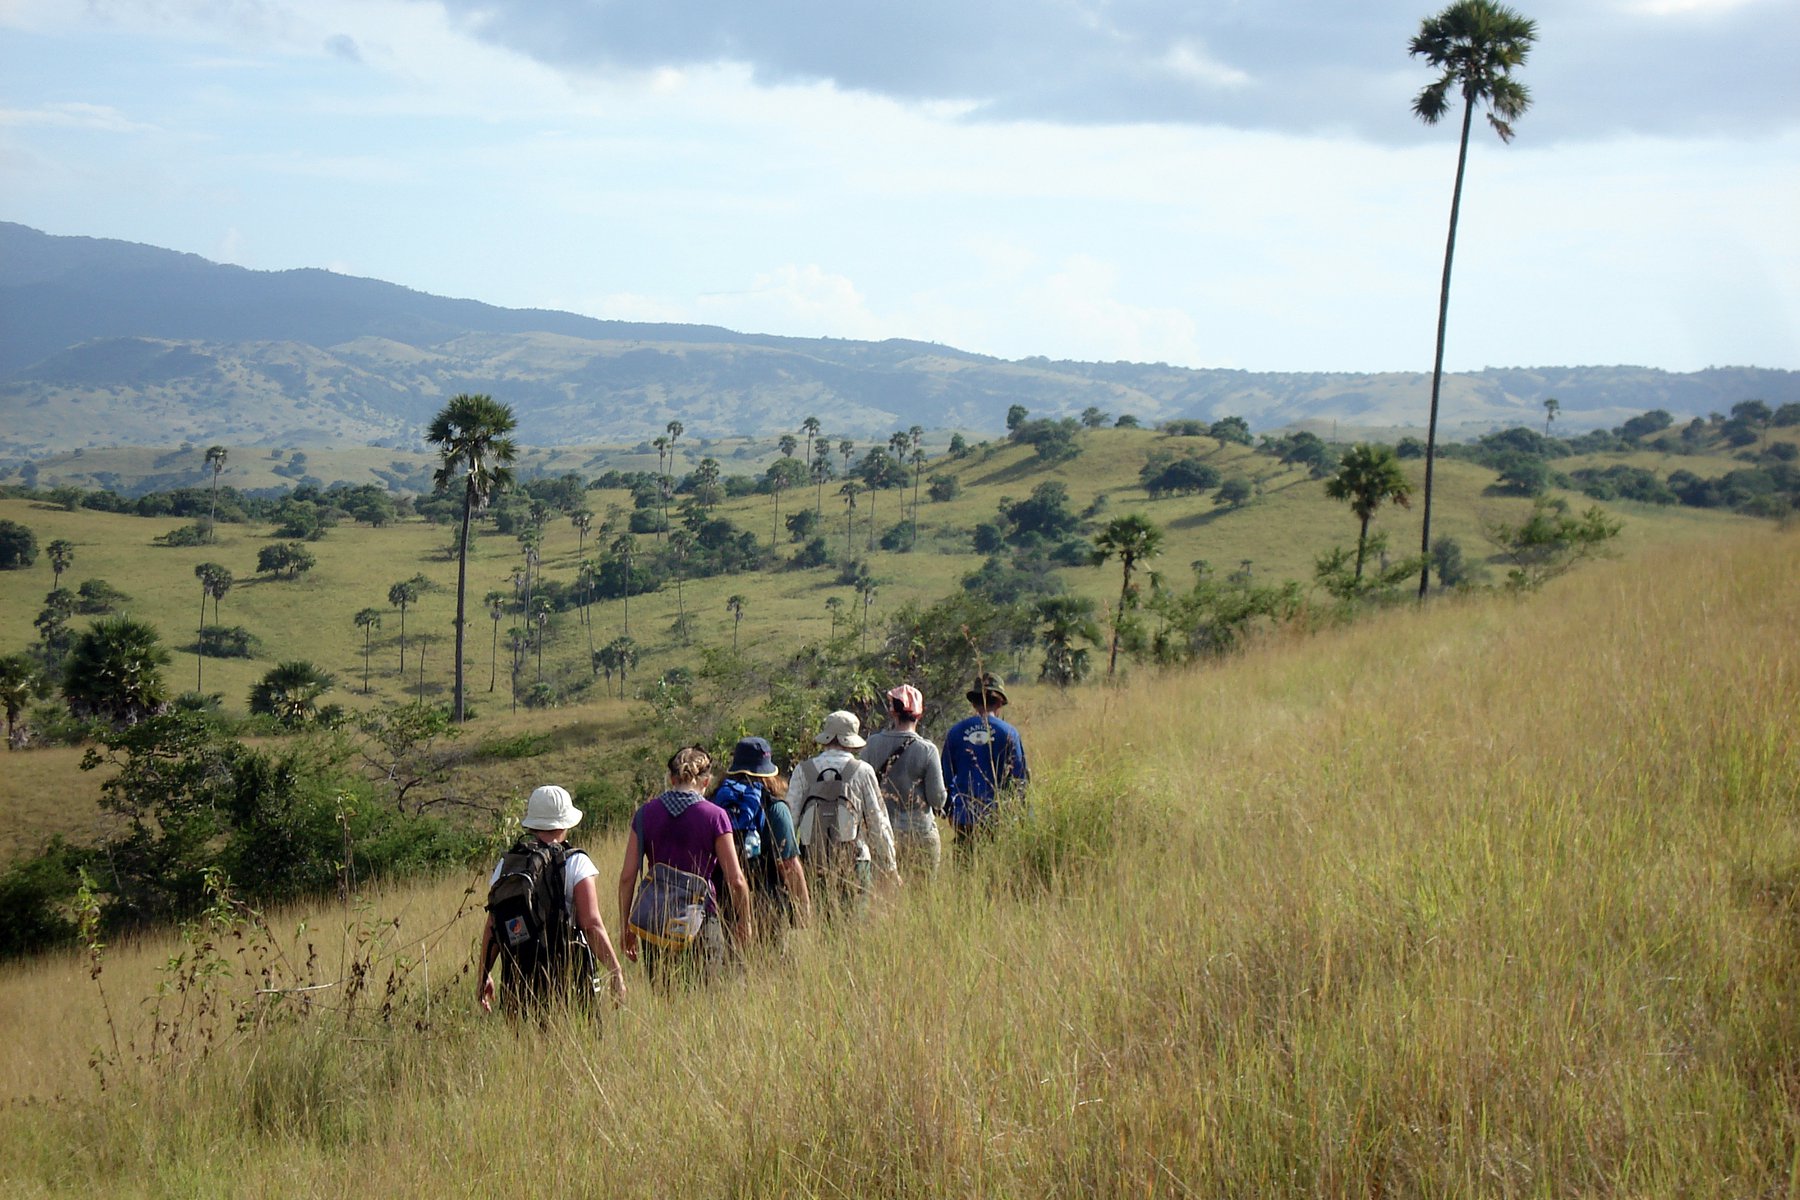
x=1131 y=539
x=787 y=443
x=368 y=620
x=401 y=595
x=471 y=436
x=1475 y=44
x=821 y=471
x=583 y=520
x=835 y=606
x=735 y=605
x=202 y=572
x=1552 y=406
x=810 y=427
x=1368 y=476
x=625 y=546
x=681 y=544
x=215 y=460
x=218 y=582
x=61 y=554
x=496 y=602
x=850 y=491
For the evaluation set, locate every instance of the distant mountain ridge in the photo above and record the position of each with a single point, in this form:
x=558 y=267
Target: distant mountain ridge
x=112 y=343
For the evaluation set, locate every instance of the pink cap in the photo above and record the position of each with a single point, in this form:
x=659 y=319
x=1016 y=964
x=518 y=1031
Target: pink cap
x=907 y=699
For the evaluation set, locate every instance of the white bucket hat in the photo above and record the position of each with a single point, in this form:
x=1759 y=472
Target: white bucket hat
x=550 y=807
x=842 y=727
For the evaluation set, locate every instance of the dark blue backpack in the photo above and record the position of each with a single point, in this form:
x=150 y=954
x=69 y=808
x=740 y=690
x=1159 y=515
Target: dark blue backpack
x=742 y=800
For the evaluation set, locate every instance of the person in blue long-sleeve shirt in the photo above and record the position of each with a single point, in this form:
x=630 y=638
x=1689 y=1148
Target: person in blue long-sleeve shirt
x=984 y=762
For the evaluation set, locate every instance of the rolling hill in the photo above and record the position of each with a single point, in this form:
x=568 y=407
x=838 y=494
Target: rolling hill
x=111 y=343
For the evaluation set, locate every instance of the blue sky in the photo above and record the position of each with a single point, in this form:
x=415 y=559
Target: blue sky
x=1209 y=184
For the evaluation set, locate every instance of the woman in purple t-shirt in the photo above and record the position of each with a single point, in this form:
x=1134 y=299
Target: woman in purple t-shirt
x=684 y=829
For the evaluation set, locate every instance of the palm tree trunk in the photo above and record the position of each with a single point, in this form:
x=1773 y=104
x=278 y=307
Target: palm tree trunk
x=462 y=579
x=1437 y=368
x=494 y=660
x=1362 y=542
x=200 y=641
x=1112 y=660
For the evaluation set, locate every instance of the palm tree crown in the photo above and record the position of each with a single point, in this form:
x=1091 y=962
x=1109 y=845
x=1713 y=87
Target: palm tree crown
x=471 y=436
x=1475 y=44
x=1369 y=476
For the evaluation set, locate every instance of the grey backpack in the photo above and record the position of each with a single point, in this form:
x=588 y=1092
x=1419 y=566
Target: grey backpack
x=827 y=825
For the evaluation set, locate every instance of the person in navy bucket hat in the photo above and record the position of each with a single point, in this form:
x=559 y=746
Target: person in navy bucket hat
x=755 y=795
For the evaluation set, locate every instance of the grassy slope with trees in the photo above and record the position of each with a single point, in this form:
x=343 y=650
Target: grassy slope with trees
x=1280 y=531
x=1494 y=898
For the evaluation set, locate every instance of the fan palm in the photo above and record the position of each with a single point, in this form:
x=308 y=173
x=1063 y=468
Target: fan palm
x=215 y=461
x=1368 y=476
x=114 y=672
x=471 y=436
x=290 y=693
x=1131 y=539
x=1475 y=44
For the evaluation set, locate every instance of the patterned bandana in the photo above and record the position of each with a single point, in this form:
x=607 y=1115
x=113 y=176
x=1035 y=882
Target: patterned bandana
x=678 y=802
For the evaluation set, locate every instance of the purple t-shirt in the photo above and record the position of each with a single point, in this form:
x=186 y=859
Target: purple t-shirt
x=685 y=842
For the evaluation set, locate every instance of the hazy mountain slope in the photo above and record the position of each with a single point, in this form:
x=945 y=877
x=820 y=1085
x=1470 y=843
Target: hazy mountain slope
x=105 y=342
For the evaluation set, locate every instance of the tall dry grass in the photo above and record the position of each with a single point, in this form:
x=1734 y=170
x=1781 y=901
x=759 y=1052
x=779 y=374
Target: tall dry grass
x=1500 y=898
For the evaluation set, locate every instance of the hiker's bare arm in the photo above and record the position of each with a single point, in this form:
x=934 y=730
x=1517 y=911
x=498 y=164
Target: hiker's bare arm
x=628 y=873
x=587 y=915
x=794 y=875
x=725 y=850
x=484 y=991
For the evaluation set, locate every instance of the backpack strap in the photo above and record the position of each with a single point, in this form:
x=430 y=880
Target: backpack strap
x=887 y=764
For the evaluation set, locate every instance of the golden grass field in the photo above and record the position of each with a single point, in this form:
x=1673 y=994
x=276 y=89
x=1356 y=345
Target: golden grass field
x=1500 y=897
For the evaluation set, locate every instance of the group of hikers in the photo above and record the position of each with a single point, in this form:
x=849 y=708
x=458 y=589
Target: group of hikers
x=708 y=873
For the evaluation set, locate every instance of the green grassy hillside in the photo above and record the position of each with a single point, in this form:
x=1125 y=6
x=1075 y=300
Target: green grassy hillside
x=1279 y=533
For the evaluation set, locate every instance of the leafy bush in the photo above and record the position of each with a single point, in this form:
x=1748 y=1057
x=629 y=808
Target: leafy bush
x=98 y=597
x=1185 y=476
x=227 y=641
x=18 y=546
x=197 y=534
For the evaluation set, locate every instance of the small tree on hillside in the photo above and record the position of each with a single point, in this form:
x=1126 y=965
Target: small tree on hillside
x=1368 y=476
x=61 y=554
x=1132 y=539
x=18 y=546
x=114 y=673
x=368 y=620
x=290 y=693
x=735 y=606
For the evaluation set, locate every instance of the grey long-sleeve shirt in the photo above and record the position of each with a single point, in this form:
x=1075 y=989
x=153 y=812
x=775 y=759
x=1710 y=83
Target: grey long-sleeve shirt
x=915 y=781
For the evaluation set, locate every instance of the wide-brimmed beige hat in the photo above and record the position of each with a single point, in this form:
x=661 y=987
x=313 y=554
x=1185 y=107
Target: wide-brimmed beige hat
x=842 y=727
x=551 y=807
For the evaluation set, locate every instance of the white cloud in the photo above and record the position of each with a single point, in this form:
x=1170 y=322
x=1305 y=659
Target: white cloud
x=1189 y=60
x=100 y=118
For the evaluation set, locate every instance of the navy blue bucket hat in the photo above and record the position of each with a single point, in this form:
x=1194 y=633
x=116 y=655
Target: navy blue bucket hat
x=751 y=757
